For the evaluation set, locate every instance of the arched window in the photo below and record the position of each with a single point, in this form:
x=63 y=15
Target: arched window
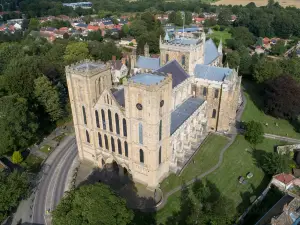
x=124 y=128
x=141 y=156
x=159 y=156
x=112 y=144
x=119 y=147
x=126 y=148
x=106 y=142
x=216 y=93
x=110 y=121
x=97 y=119
x=167 y=57
x=214 y=113
x=117 y=123
x=140 y=133
x=87 y=136
x=84 y=115
x=160 y=129
x=107 y=99
x=183 y=60
x=100 y=140
x=204 y=91
x=103 y=119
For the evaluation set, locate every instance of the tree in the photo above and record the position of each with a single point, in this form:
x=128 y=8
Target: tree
x=279 y=48
x=95 y=36
x=254 y=133
x=188 y=18
x=245 y=64
x=224 y=17
x=17 y=157
x=34 y=24
x=266 y=69
x=172 y=17
x=243 y=35
x=18 y=125
x=13 y=187
x=66 y=36
x=137 y=28
x=125 y=29
x=281 y=97
x=48 y=96
x=104 y=51
x=274 y=163
x=233 y=59
x=179 y=19
x=76 y=51
x=82 y=206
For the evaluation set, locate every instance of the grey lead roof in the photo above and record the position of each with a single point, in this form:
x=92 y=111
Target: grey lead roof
x=147 y=63
x=210 y=52
x=86 y=66
x=178 y=73
x=147 y=78
x=211 y=72
x=185 y=41
x=119 y=96
x=183 y=112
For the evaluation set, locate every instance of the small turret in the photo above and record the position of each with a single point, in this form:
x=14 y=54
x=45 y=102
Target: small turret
x=220 y=48
x=146 y=50
x=167 y=38
x=133 y=59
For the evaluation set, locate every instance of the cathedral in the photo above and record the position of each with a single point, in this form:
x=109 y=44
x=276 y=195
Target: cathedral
x=154 y=122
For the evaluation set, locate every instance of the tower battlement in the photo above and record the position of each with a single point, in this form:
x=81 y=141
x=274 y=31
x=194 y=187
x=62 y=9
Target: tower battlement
x=87 y=68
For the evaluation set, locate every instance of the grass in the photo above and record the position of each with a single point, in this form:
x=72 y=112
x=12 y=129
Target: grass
x=238 y=161
x=253 y=111
x=209 y=150
x=220 y=35
x=32 y=163
x=59 y=137
x=46 y=149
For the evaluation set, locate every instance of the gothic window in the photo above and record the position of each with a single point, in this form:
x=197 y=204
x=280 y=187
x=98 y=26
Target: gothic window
x=87 y=136
x=204 y=91
x=183 y=60
x=141 y=156
x=110 y=121
x=112 y=144
x=216 y=93
x=167 y=57
x=117 y=123
x=159 y=156
x=214 y=113
x=107 y=99
x=103 y=119
x=106 y=142
x=126 y=148
x=119 y=147
x=100 y=140
x=140 y=133
x=160 y=130
x=97 y=119
x=84 y=115
x=124 y=128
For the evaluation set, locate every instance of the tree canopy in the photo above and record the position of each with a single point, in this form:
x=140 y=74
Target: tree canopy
x=254 y=132
x=94 y=205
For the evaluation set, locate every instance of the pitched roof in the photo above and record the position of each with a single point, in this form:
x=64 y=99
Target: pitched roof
x=211 y=72
x=147 y=63
x=116 y=64
x=178 y=73
x=147 y=78
x=119 y=96
x=183 y=112
x=284 y=178
x=210 y=52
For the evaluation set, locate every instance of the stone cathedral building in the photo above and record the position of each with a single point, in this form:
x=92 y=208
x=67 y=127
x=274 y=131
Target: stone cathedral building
x=153 y=123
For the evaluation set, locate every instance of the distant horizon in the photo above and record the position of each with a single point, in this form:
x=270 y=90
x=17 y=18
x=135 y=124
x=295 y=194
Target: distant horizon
x=283 y=3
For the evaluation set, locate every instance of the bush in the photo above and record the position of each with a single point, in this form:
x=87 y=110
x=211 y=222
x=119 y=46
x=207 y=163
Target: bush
x=254 y=132
x=17 y=157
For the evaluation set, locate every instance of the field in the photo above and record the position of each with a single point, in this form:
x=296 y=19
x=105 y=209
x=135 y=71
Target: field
x=283 y=3
x=238 y=161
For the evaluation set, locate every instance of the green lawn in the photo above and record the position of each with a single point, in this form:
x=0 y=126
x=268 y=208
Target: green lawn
x=220 y=35
x=209 y=150
x=253 y=111
x=238 y=161
x=59 y=137
x=32 y=163
x=46 y=149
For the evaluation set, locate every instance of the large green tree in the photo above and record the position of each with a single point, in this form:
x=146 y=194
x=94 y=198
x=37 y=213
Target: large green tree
x=233 y=59
x=243 y=35
x=274 y=163
x=254 y=132
x=13 y=187
x=224 y=17
x=76 y=51
x=266 y=69
x=92 y=205
x=48 y=96
x=18 y=125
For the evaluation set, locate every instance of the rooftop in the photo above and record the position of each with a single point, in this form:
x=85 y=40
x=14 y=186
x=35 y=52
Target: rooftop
x=183 y=112
x=178 y=73
x=147 y=78
x=284 y=178
x=210 y=52
x=184 y=41
x=88 y=66
x=119 y=96
x=148 y=63
x=211 y=72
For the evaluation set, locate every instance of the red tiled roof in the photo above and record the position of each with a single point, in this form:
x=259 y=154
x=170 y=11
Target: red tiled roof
x=64 y=29
x=198 y=19
x=284 y=178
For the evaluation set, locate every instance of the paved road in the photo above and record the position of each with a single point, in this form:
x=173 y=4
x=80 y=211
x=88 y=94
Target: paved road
x=53 y=179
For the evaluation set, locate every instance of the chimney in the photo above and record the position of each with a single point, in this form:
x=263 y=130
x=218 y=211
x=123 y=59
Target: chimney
x=124 y=61
x=114 y=58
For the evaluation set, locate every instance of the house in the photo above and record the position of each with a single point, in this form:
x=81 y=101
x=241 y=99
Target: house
x=199 y=20
x=80 y=26
x=284 y=181
x=118 y=69
x=127 y=41
x=92 y=28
